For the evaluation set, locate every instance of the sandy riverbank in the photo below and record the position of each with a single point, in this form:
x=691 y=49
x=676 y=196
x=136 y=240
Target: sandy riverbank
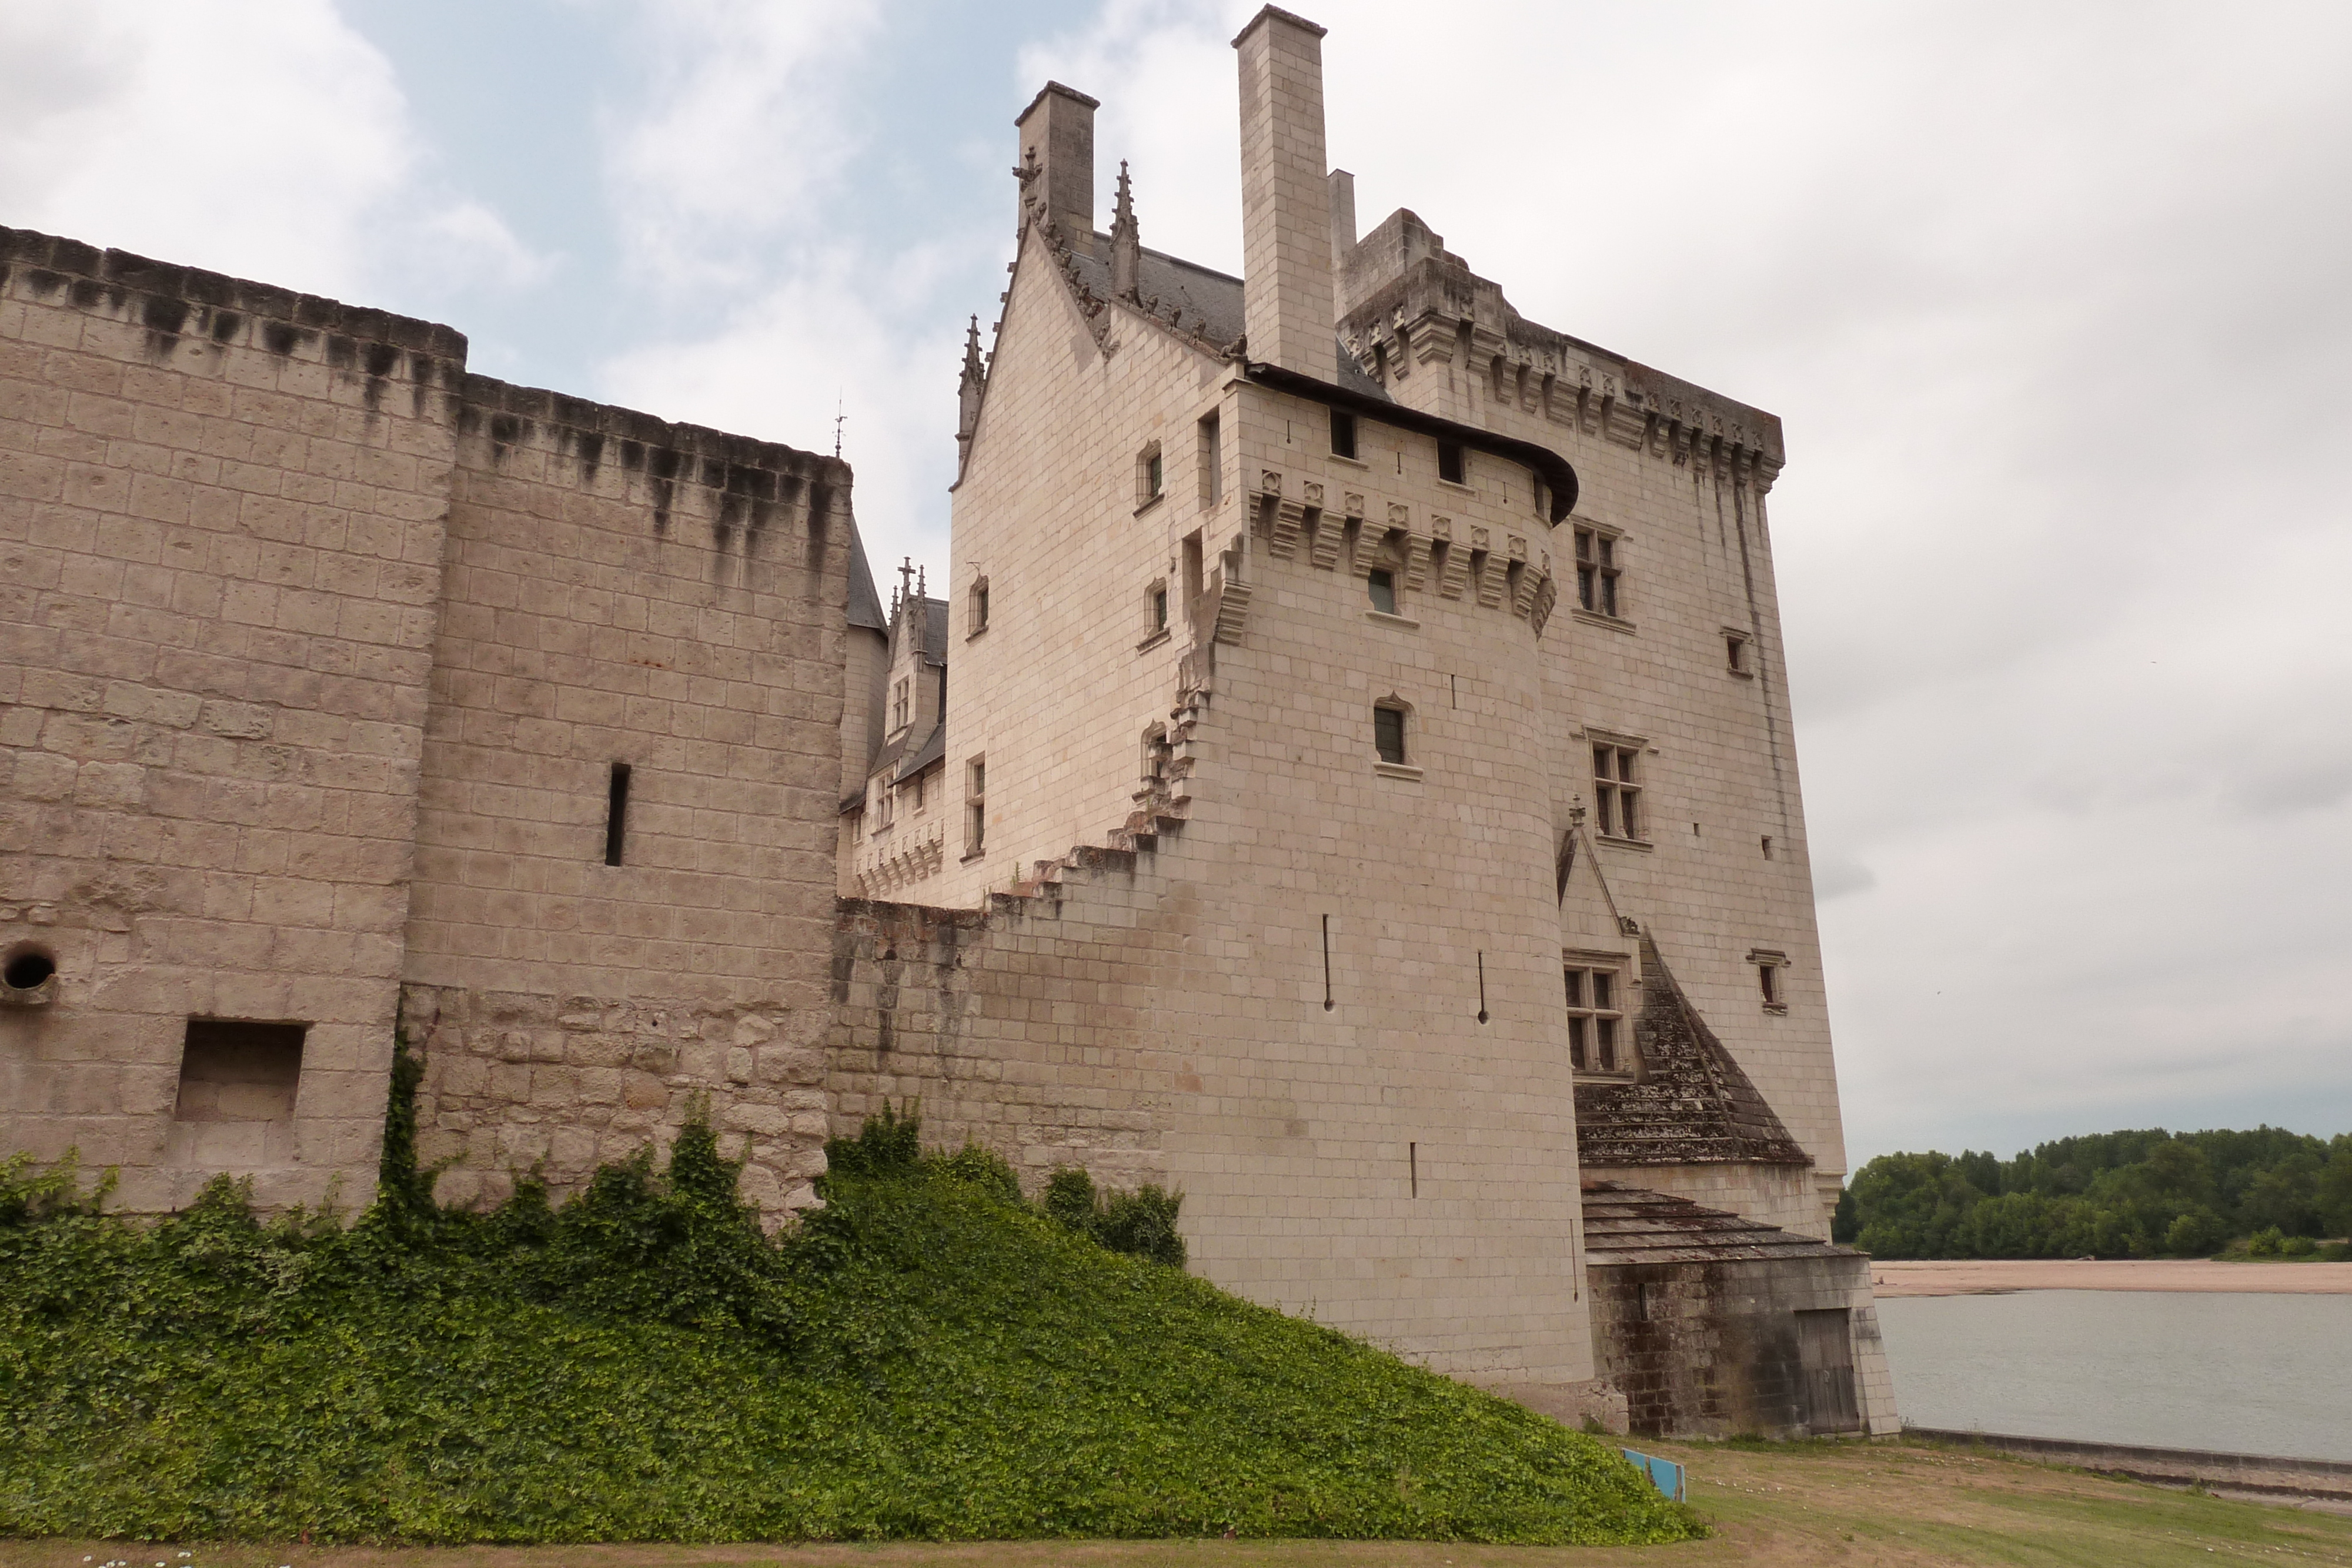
x=1986 y=1277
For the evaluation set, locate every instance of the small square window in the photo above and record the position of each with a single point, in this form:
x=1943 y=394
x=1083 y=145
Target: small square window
x=232 y=1070
x=1449 y=463
x=1382 y=583
x=1343 y=433
x=1388 y=734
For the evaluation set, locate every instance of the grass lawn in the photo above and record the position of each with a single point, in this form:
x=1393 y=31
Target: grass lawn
x=1801 y=1504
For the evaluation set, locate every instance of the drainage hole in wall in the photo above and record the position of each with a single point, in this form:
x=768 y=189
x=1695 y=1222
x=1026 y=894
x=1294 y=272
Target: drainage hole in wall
x=28 y=969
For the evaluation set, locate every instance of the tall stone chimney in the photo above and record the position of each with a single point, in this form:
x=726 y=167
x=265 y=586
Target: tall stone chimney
x=1057 y=159
x=1286 y=303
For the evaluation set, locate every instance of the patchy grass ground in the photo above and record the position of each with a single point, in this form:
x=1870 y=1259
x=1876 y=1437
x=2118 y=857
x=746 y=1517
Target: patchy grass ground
x=1800 y=1505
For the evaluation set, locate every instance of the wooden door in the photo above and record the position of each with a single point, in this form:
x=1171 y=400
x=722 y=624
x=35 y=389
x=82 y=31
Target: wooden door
x=1825 y=1352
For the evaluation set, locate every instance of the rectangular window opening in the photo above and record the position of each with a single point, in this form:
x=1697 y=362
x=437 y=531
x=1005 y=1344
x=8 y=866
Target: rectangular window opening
x=1194 y=586
x=235 y=1070
x=1343 y=433
x=1449 y=462
x=1388 y=734
x=1212 y=462
x=1616 y=791
x=616 y=813
x=1596 y=1017
x=1735 y=654
x=1160 y=610
x=1383 y=590
x=975 y=807
x=1597 y=572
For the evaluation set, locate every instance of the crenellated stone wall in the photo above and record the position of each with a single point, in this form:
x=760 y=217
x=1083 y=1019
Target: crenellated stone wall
x=317 y=655
x=621 y=590
x=222 y=511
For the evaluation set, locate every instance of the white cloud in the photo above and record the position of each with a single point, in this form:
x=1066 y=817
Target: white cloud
x=746 y=131
x=774 y=367
x=271 y=143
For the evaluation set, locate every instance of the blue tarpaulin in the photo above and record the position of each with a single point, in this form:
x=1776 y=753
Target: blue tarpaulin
x=1665 y=1474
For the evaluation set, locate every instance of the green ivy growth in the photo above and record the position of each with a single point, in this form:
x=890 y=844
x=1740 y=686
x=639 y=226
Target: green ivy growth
x=926 y=1356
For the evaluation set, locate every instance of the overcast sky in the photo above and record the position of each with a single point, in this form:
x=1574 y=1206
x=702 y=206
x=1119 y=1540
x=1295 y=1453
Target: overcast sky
x=2051 y=299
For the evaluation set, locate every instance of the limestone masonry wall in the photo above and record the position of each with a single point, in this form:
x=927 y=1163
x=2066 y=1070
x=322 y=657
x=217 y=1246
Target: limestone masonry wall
x=221 y=524
x=625 y=592
x=317 y=657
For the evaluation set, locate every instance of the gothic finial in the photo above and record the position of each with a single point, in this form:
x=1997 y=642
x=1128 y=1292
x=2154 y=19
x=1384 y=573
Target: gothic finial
x=971 y=362
x=1125 y=245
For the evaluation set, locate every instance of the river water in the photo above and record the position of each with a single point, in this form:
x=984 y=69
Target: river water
x=2232 y=1372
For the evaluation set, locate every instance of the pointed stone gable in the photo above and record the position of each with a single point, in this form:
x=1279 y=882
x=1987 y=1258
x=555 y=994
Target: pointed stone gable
x=1692 y=1105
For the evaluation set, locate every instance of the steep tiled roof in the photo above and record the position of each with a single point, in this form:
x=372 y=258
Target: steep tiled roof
x=1629 y=1225
x=1692 y=1105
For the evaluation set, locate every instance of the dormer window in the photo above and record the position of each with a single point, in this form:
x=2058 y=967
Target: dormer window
x=900 y=705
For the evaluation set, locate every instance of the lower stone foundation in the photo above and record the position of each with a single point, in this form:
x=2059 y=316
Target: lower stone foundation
x=556 y=1085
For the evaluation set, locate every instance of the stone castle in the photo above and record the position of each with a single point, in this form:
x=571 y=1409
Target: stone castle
x=1348 y=779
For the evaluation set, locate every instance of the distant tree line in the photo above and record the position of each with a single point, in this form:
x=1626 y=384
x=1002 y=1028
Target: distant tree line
x=2108 y=1195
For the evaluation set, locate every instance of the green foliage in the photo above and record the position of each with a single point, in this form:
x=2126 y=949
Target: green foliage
x=926 y=1356
x=1141 y=1223
x=887 y=1145
x=2110 y=1195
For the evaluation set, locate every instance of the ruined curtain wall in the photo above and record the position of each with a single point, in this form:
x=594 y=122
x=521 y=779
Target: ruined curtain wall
x=622 y=590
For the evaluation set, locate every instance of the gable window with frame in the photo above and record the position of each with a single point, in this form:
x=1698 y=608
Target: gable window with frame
x=1617 y=810
x=1596 y=1012
x=1597 y=573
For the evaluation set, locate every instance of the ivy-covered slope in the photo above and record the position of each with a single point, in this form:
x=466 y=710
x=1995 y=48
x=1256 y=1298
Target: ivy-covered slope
x=928 y=1357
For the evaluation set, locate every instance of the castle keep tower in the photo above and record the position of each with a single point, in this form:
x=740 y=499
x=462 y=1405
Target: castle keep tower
x=1337 y=662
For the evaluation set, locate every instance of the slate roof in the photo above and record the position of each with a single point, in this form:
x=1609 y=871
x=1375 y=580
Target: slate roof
x=864 y=604
x=1630 y=1225
x=1692 y=1105
x=931 y=751
x=1205 y=295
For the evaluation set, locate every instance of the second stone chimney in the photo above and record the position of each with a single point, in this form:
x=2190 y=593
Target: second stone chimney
x=1286 y=304
x=1057 y=159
